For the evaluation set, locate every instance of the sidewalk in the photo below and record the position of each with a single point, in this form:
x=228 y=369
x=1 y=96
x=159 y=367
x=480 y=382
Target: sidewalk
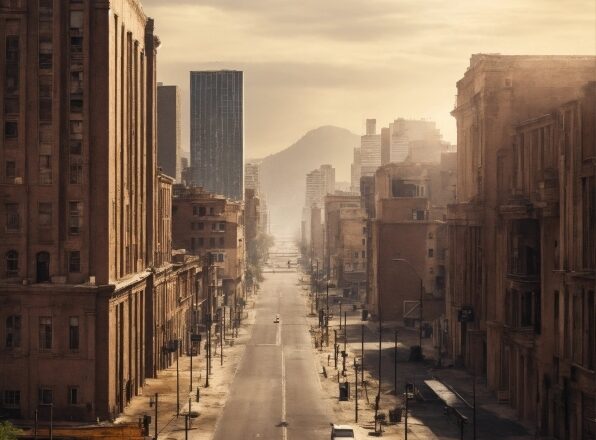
x=212 y=399
x=426 y=419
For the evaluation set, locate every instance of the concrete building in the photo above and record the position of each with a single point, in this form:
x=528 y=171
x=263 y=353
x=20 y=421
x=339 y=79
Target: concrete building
x=370 y=149
x=410 y=205
x=203 y=224
x=217 y=132
x=169 y=149
x=521 y=236
x=404 y=132
x=345 y=244
x=83 y=215
x=355 y=172
x=252 y=178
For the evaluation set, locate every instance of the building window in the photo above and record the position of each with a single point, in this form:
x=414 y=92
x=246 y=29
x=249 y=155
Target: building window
x=45 y=169
x=221 y=242
x=363 y=254
x=76 y=172
x=12 y=64
x=222 y=226
x=431 y=253
x=201 y=242
x=11 y=129
x=211 y=211
x=12 y=263
x=12 y=399
x=76 y=146
x=201 y=226
x=355 y=254
x=220 y=258
x=13 y=331
x=363 y=241
x=44 y=214
x=10 y=170
x=214 y=226
x=46 y=396
x=74 y=262
x=202 y=211
x=13 y=220
x=73 y=333
x=45 y=333
x=211 y=242
x=73 y=395
x=75 y=211
x=417 y=214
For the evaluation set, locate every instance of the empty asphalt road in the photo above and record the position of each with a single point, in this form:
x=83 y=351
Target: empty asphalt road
x=276 y=393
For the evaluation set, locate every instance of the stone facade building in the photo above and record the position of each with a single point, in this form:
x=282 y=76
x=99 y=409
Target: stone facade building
x=521 y=236
x=204 y=224
x=80 y=206
x=410 y=205
x=169 y=148
x=345 y=246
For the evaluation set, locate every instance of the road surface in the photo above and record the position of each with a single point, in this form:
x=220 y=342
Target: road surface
x=276 y=393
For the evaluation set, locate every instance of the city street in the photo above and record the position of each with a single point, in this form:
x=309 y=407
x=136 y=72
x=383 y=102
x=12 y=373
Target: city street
x=276 y=393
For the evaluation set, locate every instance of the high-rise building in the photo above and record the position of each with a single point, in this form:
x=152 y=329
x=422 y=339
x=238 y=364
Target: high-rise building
x=85 y=213
x=217 y=132
x=169 y=152
x=370 y=149
x=355 y=172
x=252 y=177
x=319 y=182
x=402 y=132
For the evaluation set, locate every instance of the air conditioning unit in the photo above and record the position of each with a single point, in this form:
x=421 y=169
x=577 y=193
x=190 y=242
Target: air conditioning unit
x=18 y=180
x=92 y=280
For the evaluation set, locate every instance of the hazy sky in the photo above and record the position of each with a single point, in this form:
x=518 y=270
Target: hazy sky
x=309 y=63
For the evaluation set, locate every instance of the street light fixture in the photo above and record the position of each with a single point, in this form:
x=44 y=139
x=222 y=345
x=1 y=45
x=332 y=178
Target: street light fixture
x=403 y=260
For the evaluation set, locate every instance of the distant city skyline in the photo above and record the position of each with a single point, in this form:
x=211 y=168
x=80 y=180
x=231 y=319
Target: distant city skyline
x=336 y=62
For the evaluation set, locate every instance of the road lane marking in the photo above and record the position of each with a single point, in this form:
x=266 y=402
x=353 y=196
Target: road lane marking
x=284 y=427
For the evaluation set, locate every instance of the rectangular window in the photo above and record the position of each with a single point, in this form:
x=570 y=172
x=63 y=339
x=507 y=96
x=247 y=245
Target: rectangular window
x=431 y=253
x=74 y=261
x=44 y=214
x=201 y=242
x=13 y=331
x=10 y=170
x=220 y=258
x=76 y=103
x=417 y=214
x=211 y=242
x=73 y=333
x=73 y=395
x=75 y=212
x=213 y=226
x=12 y=399
x=221 y=242
x=11 y=129
x=46 y=396
x=12 y=65
x=45 y=109
x=45 y=333
x=363 y=254
x=201 y=226
x=76 y=146
x=211 y=211
x=45 y=169
x=13 y=220
x=76 y=171
x=222 y=226
x=202 y=211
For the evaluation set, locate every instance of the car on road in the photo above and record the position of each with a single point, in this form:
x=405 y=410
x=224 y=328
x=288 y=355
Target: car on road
x=276 y=320
x=342 y=431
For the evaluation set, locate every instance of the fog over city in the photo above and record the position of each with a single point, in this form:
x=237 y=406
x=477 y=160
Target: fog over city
x=337 y=62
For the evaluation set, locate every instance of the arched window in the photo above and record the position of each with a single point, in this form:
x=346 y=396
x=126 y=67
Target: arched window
x=12 y=263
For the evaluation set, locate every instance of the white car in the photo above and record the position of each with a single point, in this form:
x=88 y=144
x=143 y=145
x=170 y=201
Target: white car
x=276 y=320
x=342 y=431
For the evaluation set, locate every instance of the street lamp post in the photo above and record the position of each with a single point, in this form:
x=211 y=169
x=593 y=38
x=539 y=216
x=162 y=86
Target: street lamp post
x=356 y=365
x=395 y=365
x=403 y=260
x=327 y=316
x=153 y=401
x=362 y=354
x=177 y=382
x=340 y=315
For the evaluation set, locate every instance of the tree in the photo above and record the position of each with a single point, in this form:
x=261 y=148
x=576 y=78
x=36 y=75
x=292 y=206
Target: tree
x=8 y=431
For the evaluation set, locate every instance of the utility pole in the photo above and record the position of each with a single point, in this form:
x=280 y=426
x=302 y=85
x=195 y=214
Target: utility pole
x=152 y=402
x=356 y=387
x=395 y=365
x=327 y=316
x=362 y=354
x=191 y=350
x=221 y=335
x=317 y=288
x=335 y=346
x=177 y=382
x=340 y=315
x=378 y=398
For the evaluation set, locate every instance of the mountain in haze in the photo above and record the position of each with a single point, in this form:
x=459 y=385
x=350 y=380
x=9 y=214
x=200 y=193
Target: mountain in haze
x=283 y=174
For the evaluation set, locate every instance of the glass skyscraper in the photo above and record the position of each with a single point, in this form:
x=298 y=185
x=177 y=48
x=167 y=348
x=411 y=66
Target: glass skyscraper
x=217 y=131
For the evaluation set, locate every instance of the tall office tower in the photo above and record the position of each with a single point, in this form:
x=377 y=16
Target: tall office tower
x=370 y=149
x=405 y=131
x=251 y=177
x=169 y=150
x=80 y=213
x=216 y=132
